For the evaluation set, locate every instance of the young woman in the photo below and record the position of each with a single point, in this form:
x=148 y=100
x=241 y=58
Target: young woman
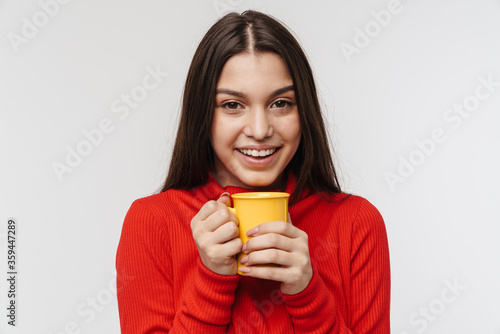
x=251 y=121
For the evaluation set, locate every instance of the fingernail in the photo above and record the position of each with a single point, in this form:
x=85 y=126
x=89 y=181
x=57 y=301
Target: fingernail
x=244 y=260
x=252 y=231
x=225 y=194
x=244 y=270
x=244 y=248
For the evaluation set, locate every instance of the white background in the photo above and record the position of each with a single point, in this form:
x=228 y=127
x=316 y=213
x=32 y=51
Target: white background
x=442 y=217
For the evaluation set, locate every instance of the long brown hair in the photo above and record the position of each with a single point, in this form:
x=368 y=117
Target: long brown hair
x=192 y=158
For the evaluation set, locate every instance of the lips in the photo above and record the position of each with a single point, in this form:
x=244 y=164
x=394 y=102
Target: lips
x=258 y=156
x=258 y=153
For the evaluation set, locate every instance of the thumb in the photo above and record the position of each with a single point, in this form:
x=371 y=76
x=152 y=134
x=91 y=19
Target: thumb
x=225 y=198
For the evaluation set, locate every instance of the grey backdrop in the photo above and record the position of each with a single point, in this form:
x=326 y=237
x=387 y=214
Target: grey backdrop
x=89 y=100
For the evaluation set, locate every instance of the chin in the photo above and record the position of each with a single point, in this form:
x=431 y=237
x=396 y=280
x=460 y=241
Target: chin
x=260 y=182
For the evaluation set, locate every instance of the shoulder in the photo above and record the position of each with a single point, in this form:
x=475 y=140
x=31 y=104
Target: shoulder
x=345 y=201
x=366 y=221
x=162 y=200
x=362 y=207
x=164 y=203
x=352 y=209
x=167 y=205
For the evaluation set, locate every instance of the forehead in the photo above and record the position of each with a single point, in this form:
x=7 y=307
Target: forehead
x=249 y=71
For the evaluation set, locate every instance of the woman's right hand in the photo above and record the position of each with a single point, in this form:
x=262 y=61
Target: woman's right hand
x=215 y=232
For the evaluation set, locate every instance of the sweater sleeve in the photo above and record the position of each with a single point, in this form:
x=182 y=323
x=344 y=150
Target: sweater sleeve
x=370 y=273
x=314 y=309
x=311 y=310
x=145 y=285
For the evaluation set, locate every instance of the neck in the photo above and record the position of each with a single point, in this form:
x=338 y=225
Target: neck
x=278 y=184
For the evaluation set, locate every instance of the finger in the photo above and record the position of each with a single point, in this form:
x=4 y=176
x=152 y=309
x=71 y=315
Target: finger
x=269 y=240
x=208 y=209
x=219 y=218
x=225 y=232
x=212 y=215
x=225 y=199
x=293 y=280
x=279 y=227
x=269 y=256
x=278 y=274
x=231 y=247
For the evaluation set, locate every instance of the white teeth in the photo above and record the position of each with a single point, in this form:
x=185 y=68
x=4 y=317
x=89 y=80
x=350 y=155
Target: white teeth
x=256 y=153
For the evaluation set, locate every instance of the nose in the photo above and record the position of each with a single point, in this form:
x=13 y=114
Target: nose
x=258 y=124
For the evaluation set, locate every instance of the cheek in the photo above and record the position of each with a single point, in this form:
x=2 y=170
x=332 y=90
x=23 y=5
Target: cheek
x=293 y=131
x=296 y=129
x=216 y=141
x=221 y=137
x=216 y=135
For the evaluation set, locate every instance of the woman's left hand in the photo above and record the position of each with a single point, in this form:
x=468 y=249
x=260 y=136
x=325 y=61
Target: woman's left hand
x=282 y=244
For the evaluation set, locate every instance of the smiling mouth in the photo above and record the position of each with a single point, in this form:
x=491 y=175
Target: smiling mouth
x=258 y=153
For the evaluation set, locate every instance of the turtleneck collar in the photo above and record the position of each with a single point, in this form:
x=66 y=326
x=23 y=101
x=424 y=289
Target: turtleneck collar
x=215 y=189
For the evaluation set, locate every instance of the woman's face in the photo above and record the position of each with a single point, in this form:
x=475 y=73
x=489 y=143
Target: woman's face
x=256 y=127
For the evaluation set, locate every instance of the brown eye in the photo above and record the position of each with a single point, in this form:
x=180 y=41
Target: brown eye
x=282 y=104
x=231 y=105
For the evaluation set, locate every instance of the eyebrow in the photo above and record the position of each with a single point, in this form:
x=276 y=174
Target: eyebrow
x=242 y=95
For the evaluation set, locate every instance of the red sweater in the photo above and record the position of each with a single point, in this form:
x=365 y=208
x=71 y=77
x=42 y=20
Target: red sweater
x=164 y=287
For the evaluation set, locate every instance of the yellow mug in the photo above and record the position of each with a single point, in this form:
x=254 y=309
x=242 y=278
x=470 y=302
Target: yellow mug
x=255 y=208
